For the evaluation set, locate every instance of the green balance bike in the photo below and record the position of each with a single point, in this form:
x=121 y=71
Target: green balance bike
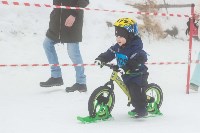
x=102 y=100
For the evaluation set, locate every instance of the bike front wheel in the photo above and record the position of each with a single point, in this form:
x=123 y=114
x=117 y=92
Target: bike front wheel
x=101 y=101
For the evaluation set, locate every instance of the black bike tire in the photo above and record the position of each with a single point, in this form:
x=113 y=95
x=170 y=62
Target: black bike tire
x=93 y=96
x=159 y=90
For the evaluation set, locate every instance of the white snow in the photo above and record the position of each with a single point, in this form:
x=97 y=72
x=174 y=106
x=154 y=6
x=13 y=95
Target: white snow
x=25 y=107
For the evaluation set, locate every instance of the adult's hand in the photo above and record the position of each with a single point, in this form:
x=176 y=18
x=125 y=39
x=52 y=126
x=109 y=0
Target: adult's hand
x=70 y=21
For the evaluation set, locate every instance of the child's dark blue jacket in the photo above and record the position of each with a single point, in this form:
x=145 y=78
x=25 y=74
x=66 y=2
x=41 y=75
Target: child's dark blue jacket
x=131 y=57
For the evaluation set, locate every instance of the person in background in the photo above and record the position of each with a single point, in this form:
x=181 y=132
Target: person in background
x=65 y=26
x=195 y=27
x=195 y=79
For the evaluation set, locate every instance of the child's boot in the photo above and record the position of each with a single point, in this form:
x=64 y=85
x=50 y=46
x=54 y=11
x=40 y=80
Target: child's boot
x=141 y=113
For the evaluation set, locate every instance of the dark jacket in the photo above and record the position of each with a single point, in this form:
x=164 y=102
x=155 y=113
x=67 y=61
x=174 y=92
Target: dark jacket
x=131 y=58
x=196 y=26
x=57 y=30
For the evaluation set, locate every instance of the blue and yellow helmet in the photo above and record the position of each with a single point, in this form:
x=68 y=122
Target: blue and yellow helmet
x=128 y=24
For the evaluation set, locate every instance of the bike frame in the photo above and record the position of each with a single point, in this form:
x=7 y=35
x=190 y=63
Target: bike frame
x=116 y=78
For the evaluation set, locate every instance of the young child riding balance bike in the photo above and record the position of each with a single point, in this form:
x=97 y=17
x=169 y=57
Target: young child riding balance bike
x=131 y=60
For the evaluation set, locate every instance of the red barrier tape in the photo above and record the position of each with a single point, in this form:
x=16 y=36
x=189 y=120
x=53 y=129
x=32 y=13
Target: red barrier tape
x=36 y=65
x=78 y=8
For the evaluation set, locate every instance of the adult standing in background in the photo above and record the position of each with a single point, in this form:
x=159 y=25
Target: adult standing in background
x=65 y=26
x=195 y=80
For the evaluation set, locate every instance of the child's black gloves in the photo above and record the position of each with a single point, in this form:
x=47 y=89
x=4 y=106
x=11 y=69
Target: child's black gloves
x=116 y=68
x=99 y=61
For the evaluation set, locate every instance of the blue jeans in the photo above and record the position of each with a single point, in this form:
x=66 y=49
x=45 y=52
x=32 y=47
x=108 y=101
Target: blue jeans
x=196 y=74
x=74 y=54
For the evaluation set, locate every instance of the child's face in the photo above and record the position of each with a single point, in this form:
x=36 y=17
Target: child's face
x=120 y=40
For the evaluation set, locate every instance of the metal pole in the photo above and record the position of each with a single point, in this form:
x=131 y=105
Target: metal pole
x=190 y=48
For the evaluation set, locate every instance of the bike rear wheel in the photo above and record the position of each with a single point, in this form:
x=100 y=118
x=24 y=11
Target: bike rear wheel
x=101 y=101
x=153 y=90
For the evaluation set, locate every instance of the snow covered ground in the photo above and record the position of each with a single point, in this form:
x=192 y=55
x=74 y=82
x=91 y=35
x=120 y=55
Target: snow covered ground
x=25 y=107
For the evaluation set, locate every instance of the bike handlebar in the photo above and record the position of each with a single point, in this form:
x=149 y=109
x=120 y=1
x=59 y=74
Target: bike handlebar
x=113 y=67
x=109 y=65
